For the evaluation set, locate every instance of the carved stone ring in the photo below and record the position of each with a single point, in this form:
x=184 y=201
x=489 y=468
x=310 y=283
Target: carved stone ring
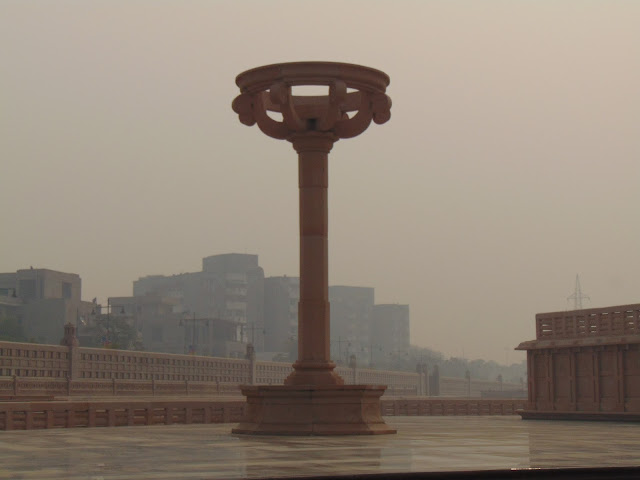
x=356 y=96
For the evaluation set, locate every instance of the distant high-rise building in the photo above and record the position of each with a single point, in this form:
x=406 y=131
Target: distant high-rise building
x=281 y=297
x=164 y=328
x=242 y=297
x=43 y=301
x=153 y=316
x=229 y=287
x=351 y=309
x=390 y=331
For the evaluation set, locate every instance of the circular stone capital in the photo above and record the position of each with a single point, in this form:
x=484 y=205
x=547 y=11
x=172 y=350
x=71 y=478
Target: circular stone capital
x=312 y=73
x=355 y=96
x=313 y=142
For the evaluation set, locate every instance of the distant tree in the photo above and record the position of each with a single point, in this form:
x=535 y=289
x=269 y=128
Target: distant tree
x=405 y=360
x=115 y=332
x=11 y=329
x=483 y=370
x=456 y=367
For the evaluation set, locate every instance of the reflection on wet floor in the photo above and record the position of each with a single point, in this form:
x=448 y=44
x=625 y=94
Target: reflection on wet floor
x=210 y=451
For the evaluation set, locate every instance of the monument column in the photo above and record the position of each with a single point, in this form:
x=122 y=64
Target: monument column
x=314 y=365
x=314 y=399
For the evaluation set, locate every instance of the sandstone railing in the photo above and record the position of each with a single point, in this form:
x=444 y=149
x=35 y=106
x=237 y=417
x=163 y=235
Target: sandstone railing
x=33 y=369
x=40 y=415
x=609 y=321
x=20 y=387
x=39 y=386
x=33 y=360
x=475 y=388
x=398 y=383
x=124 y=364
x=271 y=373
x=131 y=412
x=449 y=406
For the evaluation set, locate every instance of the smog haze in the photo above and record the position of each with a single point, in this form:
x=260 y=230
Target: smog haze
x=510 y=163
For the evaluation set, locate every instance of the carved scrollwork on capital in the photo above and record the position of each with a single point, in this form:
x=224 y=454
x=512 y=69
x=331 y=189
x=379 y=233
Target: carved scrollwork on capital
x=338 y=93
x=373 y=106
x=268 y=125
x=280 y=95
x=252 y=108
x=268 y=91
x=354 y=126
x=336 y=102
x=243 y=106
x=381 y=107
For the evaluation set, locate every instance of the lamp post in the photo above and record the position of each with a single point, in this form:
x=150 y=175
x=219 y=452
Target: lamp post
x=106 y=340
x=348 y=344
x=371 y=347
x=252 y=327
x=399 y=359
x=193 y=346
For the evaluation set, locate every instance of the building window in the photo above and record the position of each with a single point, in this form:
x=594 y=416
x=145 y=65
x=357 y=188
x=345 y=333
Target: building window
x=27 y=289
x=156 y=334
x=66 y=290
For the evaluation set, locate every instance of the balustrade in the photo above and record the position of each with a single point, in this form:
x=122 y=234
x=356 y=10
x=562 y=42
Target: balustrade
x=608 y=321
x=71 y=414
x=33 y=369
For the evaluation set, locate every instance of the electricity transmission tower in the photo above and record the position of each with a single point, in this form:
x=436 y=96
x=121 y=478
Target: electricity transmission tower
x=577 y=295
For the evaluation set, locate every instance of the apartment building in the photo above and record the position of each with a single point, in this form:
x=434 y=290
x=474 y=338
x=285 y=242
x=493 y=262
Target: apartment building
x=390 y=332
x=281 y=297
x=229 y=288
x=43 y=300
x=350 y=309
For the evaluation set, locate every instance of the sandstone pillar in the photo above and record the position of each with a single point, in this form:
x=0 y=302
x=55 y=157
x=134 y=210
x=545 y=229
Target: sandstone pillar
x=314 y=399
x=314 y=365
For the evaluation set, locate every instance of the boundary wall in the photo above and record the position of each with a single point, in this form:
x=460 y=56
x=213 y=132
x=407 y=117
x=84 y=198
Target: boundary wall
x=114 y=413
x=34 y=369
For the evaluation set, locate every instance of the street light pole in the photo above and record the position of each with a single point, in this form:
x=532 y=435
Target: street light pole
x=107 y=338
x=193 y=348
x=252 y=326
x=371 y=345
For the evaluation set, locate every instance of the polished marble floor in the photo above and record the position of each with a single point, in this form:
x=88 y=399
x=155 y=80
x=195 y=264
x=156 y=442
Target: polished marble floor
x=210 y=451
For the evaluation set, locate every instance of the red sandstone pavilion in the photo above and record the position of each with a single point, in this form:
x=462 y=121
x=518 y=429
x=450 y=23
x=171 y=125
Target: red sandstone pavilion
x=314 y=399
x=585 y=365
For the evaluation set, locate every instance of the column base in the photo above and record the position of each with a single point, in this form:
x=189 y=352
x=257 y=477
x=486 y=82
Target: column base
x=313 y=373
x=313 y=410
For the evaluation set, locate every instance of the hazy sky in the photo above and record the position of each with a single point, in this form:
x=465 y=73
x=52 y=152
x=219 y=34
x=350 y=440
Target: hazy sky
x=510 y=164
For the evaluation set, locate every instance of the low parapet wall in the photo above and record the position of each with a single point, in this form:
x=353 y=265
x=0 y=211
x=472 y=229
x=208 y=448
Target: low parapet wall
x=449 y=406
x=35 y=369
x=32 y=386
x=131 y=412
x=44 y=415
